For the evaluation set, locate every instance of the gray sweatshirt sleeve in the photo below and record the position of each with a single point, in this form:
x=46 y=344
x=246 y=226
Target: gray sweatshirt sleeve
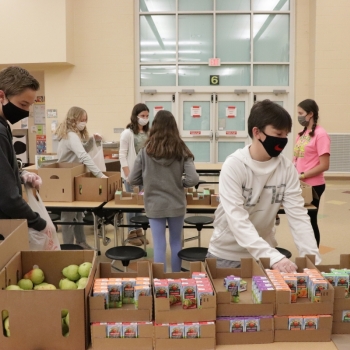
x=135 y=177
x=191 y=176
x=76 y=146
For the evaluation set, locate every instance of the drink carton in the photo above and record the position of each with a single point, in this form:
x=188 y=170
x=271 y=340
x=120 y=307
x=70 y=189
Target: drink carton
x=199 y=275
x=161 y=290
x=310 y=322
x=176 y=330
x=237 y=325
x=130 y=330
x=202 y=293
x=346 y=316
x=128 y=285
x=317 y=289
x=175 y=292
x=115 y=294
x=232 y=285
x=114 y=330
x=102 y=292
x=189 y=295
x=191 y=330
x=252 y=324
x=295 y=323
x=139 y=291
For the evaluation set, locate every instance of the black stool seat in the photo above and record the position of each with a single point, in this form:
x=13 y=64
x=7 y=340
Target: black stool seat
x=140 y=219
x=88 y=218
x=193 y=254
x=125 y=254
x=200 y=182
x=71 y=247
x=199 y=220
x=285 y=252
x=54 y=217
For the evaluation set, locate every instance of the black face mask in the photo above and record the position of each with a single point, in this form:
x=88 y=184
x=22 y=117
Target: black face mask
x=13 y=113
x=274 y=145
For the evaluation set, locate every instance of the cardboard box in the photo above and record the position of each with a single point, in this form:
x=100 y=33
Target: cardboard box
x=245 y=307
x=303 y=306
x=340 y=301
x=58 y=181
x=16 y=239
x=205 y=342
x=176 y=314
x=143 y=342
x=40 y=158
x=321 y=334
x=35 y=316
x=31 y=169
x=94 y=189
x=306 y=192
x=264 y=336
x=127 y=313
x=126 y=198
x=214 y=200
x=197 y=198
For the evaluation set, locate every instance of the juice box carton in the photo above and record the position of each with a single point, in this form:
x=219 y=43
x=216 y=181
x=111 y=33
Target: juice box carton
x=130 y=330
x=202 y=293
x=102 y=292
x=199 y=275
x=342 y=280
x=98 y=280
x=191 y=330
x=232 y=285
x=139 y=291
x=346 y=316
x=252 y=324
x=295 y=323
x=189 y=294
x=128 y=285
x=115 y=294
x=101 y=324
x=243 y=286
x=142 y=280
x=175 y=292
x=330 y=277
x=161 y=290
x=176 y=330
x=114 y=330
x=291 y=283
x=310 y=322
x=237 y=325
x=317 y=288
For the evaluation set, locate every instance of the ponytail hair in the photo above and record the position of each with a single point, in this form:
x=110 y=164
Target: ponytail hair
x=310 y=106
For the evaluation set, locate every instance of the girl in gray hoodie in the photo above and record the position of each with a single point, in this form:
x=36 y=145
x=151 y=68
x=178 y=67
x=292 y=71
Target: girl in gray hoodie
x=164 y=167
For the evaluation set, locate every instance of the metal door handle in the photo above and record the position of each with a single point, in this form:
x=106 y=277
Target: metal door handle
x=211 y=135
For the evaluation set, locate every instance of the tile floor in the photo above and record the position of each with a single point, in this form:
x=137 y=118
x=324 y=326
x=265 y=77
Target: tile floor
x=334 y=215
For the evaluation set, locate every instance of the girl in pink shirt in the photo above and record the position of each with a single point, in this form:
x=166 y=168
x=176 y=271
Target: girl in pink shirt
x=311 y=155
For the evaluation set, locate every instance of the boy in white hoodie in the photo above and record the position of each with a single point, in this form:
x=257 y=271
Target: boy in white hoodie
x=254 y=182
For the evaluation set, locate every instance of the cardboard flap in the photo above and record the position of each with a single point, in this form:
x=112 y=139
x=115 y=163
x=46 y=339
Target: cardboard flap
x=105 y=271
x=2 y=279
x=146 y=330
x=161 y=332
x=98 y=331
x=161 y=304
x=265 y=263
x=208 y=331
x=345 y=261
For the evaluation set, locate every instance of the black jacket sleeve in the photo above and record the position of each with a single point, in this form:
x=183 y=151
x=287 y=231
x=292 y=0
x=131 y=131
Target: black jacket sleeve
x=12 y=205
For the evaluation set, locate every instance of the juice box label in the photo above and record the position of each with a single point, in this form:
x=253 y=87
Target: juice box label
x=175 y=293
x=115 y=295
x=310 y=322
x=176 y=331
x=189 y=300
x=252 y=324
x=161 y=291
x=295 y=323
x=346 y=316
x=191 y=330
x=129 y=330
x=128 y=291
x=114 y=330
x=237 y=325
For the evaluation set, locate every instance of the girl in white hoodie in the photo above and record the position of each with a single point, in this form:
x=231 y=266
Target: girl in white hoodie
x=254 y=182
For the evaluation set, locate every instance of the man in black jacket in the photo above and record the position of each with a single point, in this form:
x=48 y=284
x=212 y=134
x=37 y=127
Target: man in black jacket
x=17 y=93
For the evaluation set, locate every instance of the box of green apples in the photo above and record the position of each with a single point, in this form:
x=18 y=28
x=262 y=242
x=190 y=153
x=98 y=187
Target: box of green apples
x=44 y=303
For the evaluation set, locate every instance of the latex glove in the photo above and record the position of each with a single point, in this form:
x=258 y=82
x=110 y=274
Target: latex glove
x=285 y=265
x=33 y=179
x=98 y=137
x=104 y=177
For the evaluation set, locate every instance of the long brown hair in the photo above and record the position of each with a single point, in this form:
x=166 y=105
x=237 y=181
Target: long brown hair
x=309 y=106
x=134 y=125
x=164 y=139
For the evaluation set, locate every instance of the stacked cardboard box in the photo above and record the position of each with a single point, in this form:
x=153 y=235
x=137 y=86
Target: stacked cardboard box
x=245 y=307
x=341 y=325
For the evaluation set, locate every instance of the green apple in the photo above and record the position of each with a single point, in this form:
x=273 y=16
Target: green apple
x=84 y=269
x=36 y=276
x=25 y=284
x=39 y=285
x=71 y=272
x=13 y=287
x=7 y=326
x=45 y=287
x=67 y=319
x=67 y=284
x=64 y=313
x=81 y=284
x=67 y=334
x=65 y=329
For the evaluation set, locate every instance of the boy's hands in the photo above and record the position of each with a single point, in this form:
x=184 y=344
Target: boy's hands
x=285 y=265
x=33 y=179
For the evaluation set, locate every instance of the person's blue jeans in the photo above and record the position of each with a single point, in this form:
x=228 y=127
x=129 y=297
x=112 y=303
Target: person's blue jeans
x=158 y=227
x=129 y=188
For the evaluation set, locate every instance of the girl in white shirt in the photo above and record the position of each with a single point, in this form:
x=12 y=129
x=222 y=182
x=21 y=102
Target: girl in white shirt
x=74 y=142
x=132 y=139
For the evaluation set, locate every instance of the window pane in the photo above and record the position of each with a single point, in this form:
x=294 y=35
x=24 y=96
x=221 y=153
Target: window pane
x=271 y=75
x=195 y=38
x=270 y=5
x=271 y=38
x=157 y=38
x=233 y=38
x=157 y=5
x=227 y=148
x=229 y=75
x=232 y=5
x=195 y=5
x=202 y=123
x=238 y=122
x=158 y=75
x=200 y=150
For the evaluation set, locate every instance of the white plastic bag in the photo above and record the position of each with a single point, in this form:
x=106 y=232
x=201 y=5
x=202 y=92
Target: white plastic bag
x=96 y=154
x=40 y=240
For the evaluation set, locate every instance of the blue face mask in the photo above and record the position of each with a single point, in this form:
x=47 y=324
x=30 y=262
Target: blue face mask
x=274 y=145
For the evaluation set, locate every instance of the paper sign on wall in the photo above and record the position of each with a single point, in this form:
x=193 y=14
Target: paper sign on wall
x=24 y=123
x=157 y=109
x=195 y=132
x=40 y=144
x=231 y=132
x=41 y=129
x=196 y=111
x=39 y=113
x=231 y=111
x=52 y=113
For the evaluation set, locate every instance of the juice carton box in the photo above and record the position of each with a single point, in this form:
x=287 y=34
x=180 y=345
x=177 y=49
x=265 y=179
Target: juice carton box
x=191 y=330
x=330 y=277
x=199 y=275
x=342 y=280
x=317 y=289
x=176 y=330
x=252 y=324
x=346 y=316
x=295 y=323
x=202 y=293
x=128 y=285
x=101 y=324
x=175 y=292
x=130 y=330
x=310 y=322
x=232 y=285
x=237 y=325
x=189 y=295
x=115 y=294
x=291 y=283
x=243 y=286
x=139 y=291
x=102 y=292
x=142 y=280
x=161 y=290
x=114 y=330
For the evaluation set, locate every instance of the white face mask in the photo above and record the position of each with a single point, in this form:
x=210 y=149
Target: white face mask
x=81 y=126
x=142 y=121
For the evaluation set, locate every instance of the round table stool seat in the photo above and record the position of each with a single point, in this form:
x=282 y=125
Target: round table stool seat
x=193 y=254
